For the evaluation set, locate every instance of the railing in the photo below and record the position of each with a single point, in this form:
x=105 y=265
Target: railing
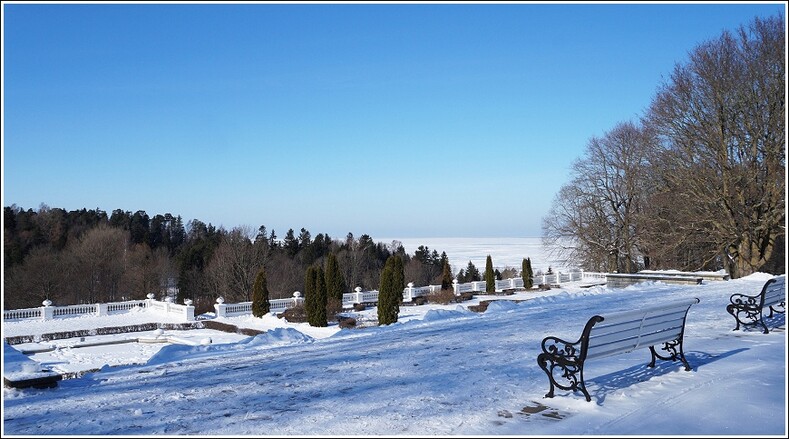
x=49 y=312
x=125 y=306
x=26 y=313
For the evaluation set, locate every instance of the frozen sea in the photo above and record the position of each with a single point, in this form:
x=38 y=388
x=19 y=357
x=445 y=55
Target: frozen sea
x=504 y=252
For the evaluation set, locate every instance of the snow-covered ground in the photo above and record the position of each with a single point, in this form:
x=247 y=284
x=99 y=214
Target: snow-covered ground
x=440 y=370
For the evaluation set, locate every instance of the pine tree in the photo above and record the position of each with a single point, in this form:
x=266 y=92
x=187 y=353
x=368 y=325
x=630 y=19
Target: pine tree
x=490 y=276
x=335 y=284
x=260 y=296
x=472 y=273
x=388 y=302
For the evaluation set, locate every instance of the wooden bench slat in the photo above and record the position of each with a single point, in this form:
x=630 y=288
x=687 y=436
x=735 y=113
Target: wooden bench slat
x=639 y=340
x=607 y=327
x=673 y=327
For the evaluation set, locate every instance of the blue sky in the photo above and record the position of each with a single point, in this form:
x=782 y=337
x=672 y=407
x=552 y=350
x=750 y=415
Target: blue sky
x=397 y=120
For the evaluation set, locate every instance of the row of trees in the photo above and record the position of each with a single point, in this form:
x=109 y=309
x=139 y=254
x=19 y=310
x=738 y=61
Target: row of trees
x=87 y=256
x=699 y=182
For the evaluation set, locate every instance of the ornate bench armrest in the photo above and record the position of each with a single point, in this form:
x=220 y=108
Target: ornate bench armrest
x=561 y=351
x=744 y=301
x=746 y=310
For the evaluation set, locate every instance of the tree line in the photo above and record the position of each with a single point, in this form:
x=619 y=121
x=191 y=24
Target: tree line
x=89 y=256
x=698 y=182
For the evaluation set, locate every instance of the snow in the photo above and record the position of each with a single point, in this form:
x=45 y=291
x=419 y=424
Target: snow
x=441 y=370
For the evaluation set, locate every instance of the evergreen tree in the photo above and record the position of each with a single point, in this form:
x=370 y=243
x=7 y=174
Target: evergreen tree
x=399 y=270
x=388 y=302
x=461 y=277
x=260 y=296
x=527 y=274
x=315 y=297
x=490 y=276
x=321 y=299
x=290 y=243
x=446 y=275
x=309 y=293
x=472 y=273
x=335 y=285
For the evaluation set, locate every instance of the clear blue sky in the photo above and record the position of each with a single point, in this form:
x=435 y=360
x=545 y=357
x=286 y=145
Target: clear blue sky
x=396 y=120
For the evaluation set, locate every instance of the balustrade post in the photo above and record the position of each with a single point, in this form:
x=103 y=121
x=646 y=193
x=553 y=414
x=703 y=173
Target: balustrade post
x=408 y=292
x=359 y=295
x=48 y=311
x=220 y=307
x=297 y=299
x=456 y=287
x=101 y=309
x=189 y=310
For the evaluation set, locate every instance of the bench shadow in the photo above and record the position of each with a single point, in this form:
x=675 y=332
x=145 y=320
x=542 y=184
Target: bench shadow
x=775 y=323
x=603 y=385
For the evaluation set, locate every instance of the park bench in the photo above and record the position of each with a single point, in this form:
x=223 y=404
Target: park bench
x=749 y=310
x=616 y=333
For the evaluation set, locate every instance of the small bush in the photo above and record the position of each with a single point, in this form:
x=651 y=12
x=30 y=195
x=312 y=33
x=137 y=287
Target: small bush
x=444 y=297
x=359 y=307
x=481 y=307
x=466 y=296
x=346 y=322
x=297 y=314
x=333 y=307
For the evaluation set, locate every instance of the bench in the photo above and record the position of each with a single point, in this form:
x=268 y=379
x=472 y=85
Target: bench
x=749 y=310
x=614 y=334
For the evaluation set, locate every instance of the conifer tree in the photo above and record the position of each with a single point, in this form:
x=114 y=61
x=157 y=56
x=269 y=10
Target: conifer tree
x=260 y=296
x=399 y=271
x=321 y=299
x=335 y=284
x=490 y=276
x=309 y=293
x=472 y=273
x=527 y=274
x=315 y=297
x=446 y=275
x=388 y=302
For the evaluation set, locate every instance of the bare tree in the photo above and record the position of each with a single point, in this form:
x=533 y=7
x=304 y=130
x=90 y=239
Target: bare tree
x=146 y=271
x=594 y=218
x=98 y=257
x=234 y=265
x=722 y=166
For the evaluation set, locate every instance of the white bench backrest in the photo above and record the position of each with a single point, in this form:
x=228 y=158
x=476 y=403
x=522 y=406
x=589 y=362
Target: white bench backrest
x=626 y=331
x=776 y=291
